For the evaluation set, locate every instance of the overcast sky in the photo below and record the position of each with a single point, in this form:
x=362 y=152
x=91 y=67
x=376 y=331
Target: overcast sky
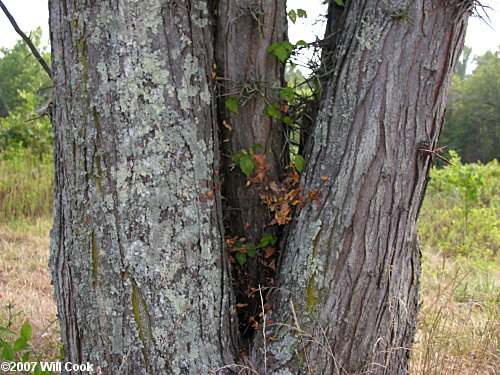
x=33 y=13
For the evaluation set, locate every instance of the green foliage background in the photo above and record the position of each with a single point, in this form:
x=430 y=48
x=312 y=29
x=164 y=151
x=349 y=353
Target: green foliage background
x=460 y=215
x=26 y=171
x=473 y=112
x=24 y=88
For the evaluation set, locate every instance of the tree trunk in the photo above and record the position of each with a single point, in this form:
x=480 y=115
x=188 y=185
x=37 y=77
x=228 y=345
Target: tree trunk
x=140 y=274
x=245 y=30
x=252 y=75
x=350 y=273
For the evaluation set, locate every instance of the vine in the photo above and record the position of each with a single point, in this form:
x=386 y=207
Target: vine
x=254 y=261
x=283 y=197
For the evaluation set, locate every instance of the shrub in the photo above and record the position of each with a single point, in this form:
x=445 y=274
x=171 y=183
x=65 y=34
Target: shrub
x=460 y=214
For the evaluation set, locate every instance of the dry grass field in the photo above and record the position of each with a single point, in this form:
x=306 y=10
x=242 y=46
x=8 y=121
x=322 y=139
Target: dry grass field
x=25 y=288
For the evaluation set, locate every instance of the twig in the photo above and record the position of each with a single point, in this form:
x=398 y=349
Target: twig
x=232 y=367
x=436 y=152
x=26 y=39
x=297 y=326
x=45 y=330
x=124 y=362
x=263 y=329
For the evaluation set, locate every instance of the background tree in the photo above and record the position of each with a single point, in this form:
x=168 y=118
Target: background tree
x=138 y=256
x=20 y=72
x=473 y=115
x=24 y=88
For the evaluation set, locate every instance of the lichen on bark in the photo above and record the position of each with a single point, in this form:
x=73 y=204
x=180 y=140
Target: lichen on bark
x=137 y=258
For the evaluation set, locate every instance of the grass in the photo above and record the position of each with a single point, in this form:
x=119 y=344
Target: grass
x=25 y=284
x=458 y=330
x=26 y=185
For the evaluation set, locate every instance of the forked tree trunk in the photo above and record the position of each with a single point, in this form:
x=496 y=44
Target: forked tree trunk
x=245 y=30
x=137 y=258
x=350 y=274
x=141 y=276
x=252 y=76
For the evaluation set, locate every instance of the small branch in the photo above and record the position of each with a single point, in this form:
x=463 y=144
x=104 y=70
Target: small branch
x=26 y=39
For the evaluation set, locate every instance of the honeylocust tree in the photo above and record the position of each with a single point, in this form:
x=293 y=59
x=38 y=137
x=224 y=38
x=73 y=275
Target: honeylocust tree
x=195 y=229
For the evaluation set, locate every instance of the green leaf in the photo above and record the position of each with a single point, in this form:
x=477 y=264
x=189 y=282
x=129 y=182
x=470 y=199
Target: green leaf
x=261 y=244
x=301 y=43
x=272 y=112
x=251 y=250
x=26 y=357
x=281 y=50
x=26 y=331
x=7 y=334
x=301 y=13
x=236 y=158
x=288 y=120
x=247 y=164
x=241 y=258
x=253 y=147
x=20 y=344
x=292 y=15
x=287 y=94
x=266 y=240
x=299 y=162
x=232 y=104
x=272 y=47
x=340 y=3
x=3 y=329
x=7 y=352
x=38 y=369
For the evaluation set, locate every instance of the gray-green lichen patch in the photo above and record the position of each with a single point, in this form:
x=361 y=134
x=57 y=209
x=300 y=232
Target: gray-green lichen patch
x=368 y=34
x=312 y=263
x=191 y=83
x=203 y=20
x=177 y=248
x=301 y=294
x=154 y=65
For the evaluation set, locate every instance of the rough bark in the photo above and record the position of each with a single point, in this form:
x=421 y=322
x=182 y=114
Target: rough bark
x=137 y=258
x=352 y=263
x=245 y=30
x=248 y=72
